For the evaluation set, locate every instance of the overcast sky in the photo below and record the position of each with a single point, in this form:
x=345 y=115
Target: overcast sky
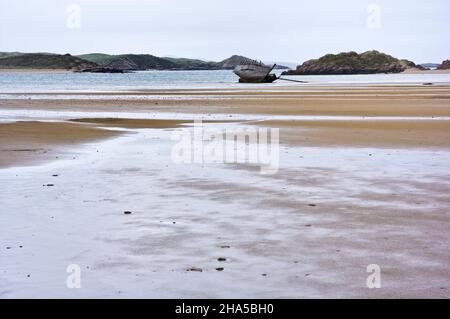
x=282 y=30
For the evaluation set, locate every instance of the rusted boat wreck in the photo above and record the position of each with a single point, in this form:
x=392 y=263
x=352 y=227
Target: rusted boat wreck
x=255 y=72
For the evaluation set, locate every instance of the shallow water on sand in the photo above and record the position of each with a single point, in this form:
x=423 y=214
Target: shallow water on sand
x=370 y=206
x=11 y=115
x=67 y=81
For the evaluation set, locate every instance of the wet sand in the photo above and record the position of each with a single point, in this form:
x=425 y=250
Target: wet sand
x=364 y=133
x=348 y=193
x=27 y=142
x=408 y=100
x=412 y=71
x=140 y=123
x=369 y=132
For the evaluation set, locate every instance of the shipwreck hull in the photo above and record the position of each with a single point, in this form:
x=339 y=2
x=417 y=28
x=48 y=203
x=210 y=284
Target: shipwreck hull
x=268 y=79
x=257 y=73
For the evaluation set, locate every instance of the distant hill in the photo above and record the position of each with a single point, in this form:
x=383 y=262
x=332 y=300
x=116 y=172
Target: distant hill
x=121 y=63
x=43 y=61
x=9 y=54
x=130 y=61
x=235 y=60
x=193 y=64
x=101 y=62
x=144 y=62
x=369 y=62
x=95 y=57
x=282 y=65
x=232 y=62
x=430 y=65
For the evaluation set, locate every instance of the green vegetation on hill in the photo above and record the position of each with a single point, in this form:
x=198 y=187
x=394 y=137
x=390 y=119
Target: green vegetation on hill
x=43 y=61
x=94 y=57
x=192 y=64
x=100 y=62
x=147 y=61
x=233 y=61
x=130 y=61
x=9 y=54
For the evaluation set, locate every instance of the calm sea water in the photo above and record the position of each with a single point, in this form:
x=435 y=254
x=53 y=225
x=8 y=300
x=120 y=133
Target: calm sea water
x=64 y=81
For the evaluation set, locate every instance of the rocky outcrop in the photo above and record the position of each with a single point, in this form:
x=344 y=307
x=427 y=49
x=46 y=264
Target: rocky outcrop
x=98 y=69
x=124 y=64
x=369 y=62
x=445 y=65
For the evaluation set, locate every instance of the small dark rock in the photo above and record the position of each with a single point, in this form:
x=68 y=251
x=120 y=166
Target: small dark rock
x=100 y=70
x=312 y=205
x=195 y=269
x=127 y=212
x=220 y=269
x=225 y=246
x=221 y=259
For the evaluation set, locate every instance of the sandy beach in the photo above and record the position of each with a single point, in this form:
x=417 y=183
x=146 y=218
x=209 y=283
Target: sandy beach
x=363 y=179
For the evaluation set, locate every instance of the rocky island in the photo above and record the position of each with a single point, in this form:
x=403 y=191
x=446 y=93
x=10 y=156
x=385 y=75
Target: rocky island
x=369 y=62
x=445 y=65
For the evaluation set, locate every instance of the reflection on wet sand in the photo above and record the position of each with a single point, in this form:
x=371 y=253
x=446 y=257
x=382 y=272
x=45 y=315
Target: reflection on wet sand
x=349 y=193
